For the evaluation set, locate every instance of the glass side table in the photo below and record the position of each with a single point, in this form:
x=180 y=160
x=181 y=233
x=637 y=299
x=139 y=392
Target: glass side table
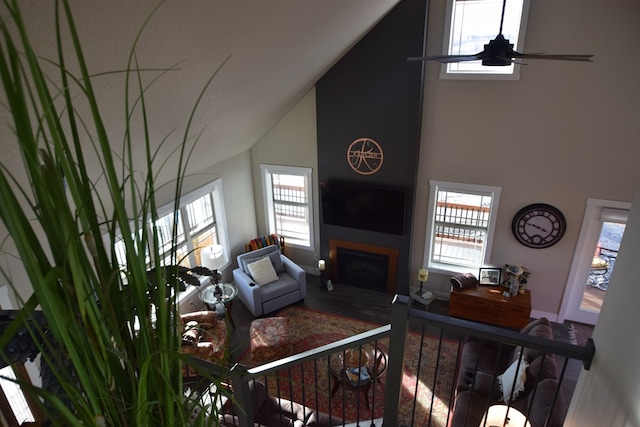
x=210 y=299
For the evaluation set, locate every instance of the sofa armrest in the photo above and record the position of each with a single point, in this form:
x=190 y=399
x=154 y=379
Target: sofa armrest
x=297 y=273
x=248 y=292
x=202 y=317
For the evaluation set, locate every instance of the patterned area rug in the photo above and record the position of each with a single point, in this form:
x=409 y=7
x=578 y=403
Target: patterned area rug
x=310 y=329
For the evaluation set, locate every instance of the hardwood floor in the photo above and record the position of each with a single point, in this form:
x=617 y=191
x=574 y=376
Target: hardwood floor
x=592 y=299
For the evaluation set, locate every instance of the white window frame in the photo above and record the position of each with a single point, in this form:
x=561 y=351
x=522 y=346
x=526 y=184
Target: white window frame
x=220 y=220
x=597 y=212
x=447 y=268
x=270 y=217
x=214 y=188
x=484 y=72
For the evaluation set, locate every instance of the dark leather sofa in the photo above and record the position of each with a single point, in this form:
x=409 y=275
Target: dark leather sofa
x=477 y=385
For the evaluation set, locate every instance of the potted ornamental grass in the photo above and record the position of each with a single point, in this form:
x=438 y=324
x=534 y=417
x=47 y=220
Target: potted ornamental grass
x=111 y=346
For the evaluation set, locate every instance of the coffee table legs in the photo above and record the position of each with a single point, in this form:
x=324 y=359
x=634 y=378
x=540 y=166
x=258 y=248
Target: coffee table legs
x=364 y=387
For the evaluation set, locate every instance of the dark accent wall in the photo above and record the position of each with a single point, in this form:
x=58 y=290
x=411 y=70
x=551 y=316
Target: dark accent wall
x=374 y=92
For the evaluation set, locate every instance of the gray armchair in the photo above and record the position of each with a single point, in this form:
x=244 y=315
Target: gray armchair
x=290 y=285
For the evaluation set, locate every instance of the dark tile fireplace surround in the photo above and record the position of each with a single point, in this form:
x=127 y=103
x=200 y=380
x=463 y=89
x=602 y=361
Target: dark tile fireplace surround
x=374 y=92
x=363 y=265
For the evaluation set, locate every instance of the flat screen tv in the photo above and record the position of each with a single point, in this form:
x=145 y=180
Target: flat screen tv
x=363 y=207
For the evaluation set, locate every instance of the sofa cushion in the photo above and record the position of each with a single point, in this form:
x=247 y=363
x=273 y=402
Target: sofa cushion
x=271 y=251
x=539 y=404
x=538 y=328
x=469 y=409
x=191 y=333
x=541 y=368
x=284 y=285
x=485 y=356
x=541 y=321
x=262 y=271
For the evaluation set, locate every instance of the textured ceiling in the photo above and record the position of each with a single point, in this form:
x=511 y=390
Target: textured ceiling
x=265 y=56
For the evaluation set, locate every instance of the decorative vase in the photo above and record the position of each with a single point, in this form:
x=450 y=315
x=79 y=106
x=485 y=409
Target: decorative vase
x=514 y=287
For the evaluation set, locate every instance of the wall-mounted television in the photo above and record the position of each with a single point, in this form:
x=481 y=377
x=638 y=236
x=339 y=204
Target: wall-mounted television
x=363 y=207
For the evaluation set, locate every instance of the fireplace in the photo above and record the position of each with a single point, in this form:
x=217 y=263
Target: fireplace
x=363 y=265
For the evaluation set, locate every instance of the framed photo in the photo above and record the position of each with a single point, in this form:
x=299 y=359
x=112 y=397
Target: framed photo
x=490 y=276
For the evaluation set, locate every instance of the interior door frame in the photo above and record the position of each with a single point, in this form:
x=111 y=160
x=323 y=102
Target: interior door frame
x=582 y=259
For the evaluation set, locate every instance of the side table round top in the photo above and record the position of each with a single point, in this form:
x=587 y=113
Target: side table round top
x=229 y=292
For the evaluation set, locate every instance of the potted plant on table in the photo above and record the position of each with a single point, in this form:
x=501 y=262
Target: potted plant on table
x=112 y=362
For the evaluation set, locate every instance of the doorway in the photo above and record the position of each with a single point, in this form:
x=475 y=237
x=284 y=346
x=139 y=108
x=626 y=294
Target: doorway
x=594 y=260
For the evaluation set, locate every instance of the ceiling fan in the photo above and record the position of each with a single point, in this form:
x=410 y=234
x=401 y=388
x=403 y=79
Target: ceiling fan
x=499 y=52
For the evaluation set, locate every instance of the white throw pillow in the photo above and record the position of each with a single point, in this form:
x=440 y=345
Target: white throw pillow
x=506 y=380
x=262 y=271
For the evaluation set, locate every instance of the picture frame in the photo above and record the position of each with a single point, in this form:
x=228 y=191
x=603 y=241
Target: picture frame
x=490 y=276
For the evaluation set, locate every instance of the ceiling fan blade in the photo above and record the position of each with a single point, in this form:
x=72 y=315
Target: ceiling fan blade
x=578 y=58
x=445 y=58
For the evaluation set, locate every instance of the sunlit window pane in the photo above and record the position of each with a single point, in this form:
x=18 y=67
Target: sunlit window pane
x=165 y=230
x=203 y=240
x=200 y=214
x=474 y=23
x=15 y=396
x=461 y=224
x=288 y=202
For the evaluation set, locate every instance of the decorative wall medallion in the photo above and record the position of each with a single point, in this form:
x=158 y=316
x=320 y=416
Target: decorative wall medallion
x=365 y=156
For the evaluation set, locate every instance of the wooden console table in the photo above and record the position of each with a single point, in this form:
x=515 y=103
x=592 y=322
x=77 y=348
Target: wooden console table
x=486 y=304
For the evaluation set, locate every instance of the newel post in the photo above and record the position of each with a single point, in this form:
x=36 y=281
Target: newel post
x=399 y=328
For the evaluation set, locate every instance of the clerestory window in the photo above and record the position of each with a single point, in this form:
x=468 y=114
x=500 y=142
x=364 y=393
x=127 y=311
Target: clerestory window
x=461 y=226
x=470 y=24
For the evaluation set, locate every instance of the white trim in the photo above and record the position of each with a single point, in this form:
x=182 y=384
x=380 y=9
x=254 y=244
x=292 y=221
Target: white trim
x=434 y=187
x=582 y=258
x=190 y=197
x=5 y=301
x=491 y=73
x=265 y=171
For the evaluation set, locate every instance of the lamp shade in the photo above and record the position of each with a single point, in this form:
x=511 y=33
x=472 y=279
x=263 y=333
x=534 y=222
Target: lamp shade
x=422 y=275
x=212 y=257
x=504 y=416
x=322 y=264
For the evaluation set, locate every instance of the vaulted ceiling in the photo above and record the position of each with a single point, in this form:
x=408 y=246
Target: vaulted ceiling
x=263 y=56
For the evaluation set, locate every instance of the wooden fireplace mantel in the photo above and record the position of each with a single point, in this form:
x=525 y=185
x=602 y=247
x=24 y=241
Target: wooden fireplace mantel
x=392 y=253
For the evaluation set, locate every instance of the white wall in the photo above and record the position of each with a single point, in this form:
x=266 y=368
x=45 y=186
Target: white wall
x=561 y=134
x=291 y=142
x=608 y=394
x=238 y=200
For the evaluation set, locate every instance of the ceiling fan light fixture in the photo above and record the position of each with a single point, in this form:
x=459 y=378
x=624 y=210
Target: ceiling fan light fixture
x=499 y=52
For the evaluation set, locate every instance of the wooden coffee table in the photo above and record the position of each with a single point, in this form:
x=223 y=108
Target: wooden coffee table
x=485 y=304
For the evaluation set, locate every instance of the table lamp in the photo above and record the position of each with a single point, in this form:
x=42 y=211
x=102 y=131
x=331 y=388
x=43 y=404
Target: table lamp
x=212 y=257
x=423 y=274
x=504 y=416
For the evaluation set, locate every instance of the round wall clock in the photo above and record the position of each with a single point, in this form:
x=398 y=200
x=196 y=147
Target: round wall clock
x=538 y=225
